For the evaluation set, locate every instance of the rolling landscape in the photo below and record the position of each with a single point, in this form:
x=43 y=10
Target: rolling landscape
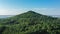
x=30 y=23
x=29 y=16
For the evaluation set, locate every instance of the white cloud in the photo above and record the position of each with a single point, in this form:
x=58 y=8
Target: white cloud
x=46 y=11
x=11 y=11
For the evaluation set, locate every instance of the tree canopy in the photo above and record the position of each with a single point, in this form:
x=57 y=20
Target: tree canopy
x=30 y=23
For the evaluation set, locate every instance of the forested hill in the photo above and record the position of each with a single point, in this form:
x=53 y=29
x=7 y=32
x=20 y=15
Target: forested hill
x=30 y=23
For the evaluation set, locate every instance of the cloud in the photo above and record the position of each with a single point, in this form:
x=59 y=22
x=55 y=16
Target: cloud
x=11 y=11
x=45 y=11
x=48 y=11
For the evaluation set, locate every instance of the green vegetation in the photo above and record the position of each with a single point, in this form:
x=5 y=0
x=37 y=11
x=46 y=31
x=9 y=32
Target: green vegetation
x=30 y=23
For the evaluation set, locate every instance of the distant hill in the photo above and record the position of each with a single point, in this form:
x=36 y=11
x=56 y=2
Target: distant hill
x=30 y=23
x=6 y=16
x=58 y=16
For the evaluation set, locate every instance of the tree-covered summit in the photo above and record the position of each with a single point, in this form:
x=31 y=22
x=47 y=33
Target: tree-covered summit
x=30 y=23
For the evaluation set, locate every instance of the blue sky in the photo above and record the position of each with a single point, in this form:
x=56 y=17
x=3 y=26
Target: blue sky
x=14 y=7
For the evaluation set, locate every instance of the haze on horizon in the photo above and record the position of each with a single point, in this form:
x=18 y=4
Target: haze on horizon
x=14 y=7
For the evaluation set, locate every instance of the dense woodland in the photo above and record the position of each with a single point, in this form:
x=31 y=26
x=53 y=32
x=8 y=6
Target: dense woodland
x=30 y=23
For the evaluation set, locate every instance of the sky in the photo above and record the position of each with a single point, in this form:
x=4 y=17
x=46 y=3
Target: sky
x=15 y=7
